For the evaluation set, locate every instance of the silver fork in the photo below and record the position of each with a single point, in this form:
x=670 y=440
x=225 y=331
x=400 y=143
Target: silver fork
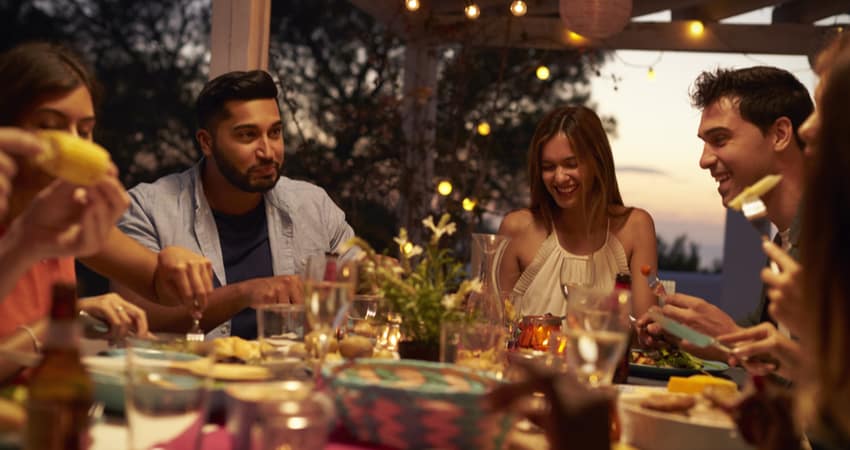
x=196 y=334
x=755 y=211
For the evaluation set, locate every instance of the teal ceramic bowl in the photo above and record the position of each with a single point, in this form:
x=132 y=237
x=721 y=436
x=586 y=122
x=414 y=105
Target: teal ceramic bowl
x=109 y=385
x=408 y=404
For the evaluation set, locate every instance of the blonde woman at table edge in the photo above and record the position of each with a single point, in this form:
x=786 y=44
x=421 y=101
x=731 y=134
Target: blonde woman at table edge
x=45 y=86
x=576 y=208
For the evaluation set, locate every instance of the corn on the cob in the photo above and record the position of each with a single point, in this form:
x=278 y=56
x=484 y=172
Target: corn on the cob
x=72 y=159
x=758 y=189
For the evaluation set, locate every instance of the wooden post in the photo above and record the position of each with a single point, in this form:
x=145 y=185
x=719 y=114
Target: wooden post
x=240 y=35
x=419 y=111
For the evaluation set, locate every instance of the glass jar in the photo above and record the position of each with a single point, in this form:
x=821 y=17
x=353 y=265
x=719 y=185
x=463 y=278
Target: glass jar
x=535 y=331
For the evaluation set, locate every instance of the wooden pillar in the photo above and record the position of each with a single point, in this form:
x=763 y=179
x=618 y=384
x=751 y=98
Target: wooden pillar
x=419 y=112
x=240 y=35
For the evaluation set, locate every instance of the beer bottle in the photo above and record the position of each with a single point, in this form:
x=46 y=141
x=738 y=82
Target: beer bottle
x=621 y=374
x=60 y=390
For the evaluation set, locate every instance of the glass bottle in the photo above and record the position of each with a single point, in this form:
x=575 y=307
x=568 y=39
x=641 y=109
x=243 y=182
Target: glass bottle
x=487 y=306
x=623 y=281
x=60 y=390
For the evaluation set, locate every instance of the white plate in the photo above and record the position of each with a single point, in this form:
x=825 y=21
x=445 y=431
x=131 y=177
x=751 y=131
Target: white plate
x=654 y=430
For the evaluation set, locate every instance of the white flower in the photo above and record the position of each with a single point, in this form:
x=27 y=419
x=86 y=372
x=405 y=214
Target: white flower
x=450 y=301
x=411 y=250
x=441 y=228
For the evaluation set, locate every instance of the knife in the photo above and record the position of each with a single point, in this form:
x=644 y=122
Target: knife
x=687 y=333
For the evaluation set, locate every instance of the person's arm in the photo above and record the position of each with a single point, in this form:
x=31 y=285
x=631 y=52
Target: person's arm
x=223 y=303
x=644 y=253
x=172 y=276
x=21 y=341
x=509 y=269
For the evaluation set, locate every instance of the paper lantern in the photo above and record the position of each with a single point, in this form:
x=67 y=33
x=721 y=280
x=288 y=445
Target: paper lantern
x=595 y=19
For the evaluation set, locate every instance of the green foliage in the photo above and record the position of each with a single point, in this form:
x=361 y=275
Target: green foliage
x=681 y=255
x=341 y=77
x=426 y=287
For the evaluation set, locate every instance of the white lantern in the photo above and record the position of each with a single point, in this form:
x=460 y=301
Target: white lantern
x=595 y=19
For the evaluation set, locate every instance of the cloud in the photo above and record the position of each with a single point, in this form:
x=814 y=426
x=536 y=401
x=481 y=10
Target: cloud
x=642 y=170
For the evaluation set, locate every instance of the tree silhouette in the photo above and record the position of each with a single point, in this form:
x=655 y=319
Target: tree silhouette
x=340 y=74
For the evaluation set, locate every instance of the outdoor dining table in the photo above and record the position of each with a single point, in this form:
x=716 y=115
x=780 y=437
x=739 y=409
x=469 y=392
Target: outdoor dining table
x=111 y=432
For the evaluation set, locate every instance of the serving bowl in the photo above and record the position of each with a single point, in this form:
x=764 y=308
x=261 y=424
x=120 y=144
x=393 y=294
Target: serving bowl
x=408 y=404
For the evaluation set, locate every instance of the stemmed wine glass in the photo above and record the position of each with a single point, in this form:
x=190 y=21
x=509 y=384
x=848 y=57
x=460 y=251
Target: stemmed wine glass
x=329 y=287
x=597 y=329
x=576 y=273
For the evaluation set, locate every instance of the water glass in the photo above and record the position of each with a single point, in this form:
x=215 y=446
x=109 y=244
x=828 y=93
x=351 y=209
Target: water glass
x=363 y=317
x=597 y=331
x=167 y=390
x=478 y=346
x=280 y=328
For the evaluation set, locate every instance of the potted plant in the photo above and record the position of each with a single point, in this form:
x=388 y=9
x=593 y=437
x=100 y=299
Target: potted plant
x=425 y=287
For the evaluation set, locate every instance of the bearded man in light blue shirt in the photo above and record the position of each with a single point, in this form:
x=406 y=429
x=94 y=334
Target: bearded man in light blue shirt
x=234 y=207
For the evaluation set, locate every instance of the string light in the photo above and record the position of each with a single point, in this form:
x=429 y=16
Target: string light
x=444 y=188
x=575 y=38
x=542 y=73
x=650 y=73
x=472 y=11
x=411 y=5
x=519 y=8
x=468 y=204
x=483 y=128
x=696 y=28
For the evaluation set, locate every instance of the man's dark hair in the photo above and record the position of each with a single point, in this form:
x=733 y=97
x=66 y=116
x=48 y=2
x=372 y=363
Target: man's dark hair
x=765 y=94
x=238 y=85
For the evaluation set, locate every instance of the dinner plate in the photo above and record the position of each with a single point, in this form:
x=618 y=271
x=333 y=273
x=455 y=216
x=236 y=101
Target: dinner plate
x=645 y=370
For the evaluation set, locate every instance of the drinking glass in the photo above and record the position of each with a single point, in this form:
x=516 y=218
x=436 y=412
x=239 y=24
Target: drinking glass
x=476 y=345
x=280 y=328
x=167 y=390
x=576 y=272
x=597 y=331
x=362 y=316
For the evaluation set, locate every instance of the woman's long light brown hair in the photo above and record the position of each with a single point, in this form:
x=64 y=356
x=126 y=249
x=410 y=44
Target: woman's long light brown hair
x=588 y=140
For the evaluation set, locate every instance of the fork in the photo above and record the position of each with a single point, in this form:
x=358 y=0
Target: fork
x=750 y=204
x=196 y=334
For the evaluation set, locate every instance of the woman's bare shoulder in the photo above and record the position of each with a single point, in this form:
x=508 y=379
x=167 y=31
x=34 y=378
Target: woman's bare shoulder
x=630 y=223
x=518 y=222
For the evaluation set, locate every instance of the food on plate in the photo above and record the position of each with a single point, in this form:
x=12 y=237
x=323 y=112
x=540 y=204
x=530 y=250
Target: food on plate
x=233 y=347
x=669 y=402
x=311 y=341
x=666 y=357
x=756 y=190
x=697 y=384
x=72 y=159
x=355 y=347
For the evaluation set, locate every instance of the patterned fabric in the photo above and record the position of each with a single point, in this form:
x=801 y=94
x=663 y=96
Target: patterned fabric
x=415 y=404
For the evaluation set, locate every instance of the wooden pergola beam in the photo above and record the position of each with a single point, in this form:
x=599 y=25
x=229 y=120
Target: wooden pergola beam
x=531 y=32
x=808 y=11
x=716 y=10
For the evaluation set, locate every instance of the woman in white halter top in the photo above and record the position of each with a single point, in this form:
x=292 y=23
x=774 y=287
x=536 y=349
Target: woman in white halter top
x=577 y=218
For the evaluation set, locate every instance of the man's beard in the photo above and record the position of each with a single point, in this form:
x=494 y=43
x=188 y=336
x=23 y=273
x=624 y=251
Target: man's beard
x=243 y=181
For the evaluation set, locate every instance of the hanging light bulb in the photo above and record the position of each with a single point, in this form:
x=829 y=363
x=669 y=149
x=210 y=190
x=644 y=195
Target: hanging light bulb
x=575 y=38
x=444 y=187
x=696 y=28
x=519 y=8
x=411 y=5
x=650 y=73
x=468 y=204
x=472 y=11
x=483 y=128
x=542 y=73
